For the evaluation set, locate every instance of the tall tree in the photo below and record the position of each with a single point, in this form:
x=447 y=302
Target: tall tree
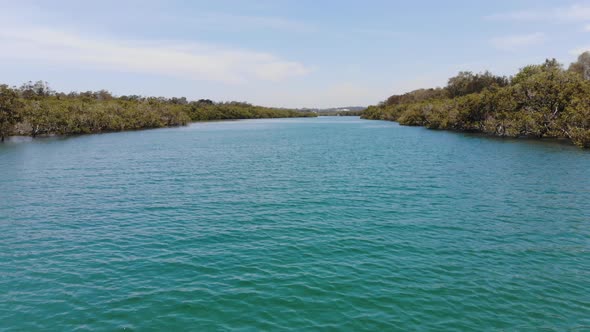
x=582 y=66
x=9 y=110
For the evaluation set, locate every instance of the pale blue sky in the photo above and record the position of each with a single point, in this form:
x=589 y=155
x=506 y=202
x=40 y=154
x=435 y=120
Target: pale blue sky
x=291 y=53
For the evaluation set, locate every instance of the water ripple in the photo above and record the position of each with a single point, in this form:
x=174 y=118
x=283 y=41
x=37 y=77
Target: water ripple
x=314 y=224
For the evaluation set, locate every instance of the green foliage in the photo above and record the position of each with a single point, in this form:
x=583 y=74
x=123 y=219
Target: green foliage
x=416 y=96
x=34 y=109
x=467 y=83
x=539 y=101
x=10 y=110
x=206 y=111
x=575 y=121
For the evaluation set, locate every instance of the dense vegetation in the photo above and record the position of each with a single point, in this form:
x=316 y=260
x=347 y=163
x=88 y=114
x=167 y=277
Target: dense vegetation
x=340 y=113
x=34 y=109
x=544 y=101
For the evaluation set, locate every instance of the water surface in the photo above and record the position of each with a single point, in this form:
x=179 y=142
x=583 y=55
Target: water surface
x=293 y=224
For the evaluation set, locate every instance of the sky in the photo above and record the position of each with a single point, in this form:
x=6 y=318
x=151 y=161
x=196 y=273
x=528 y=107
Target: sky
x=283 y=53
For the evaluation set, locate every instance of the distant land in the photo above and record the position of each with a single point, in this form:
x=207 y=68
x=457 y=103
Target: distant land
x=342 y=111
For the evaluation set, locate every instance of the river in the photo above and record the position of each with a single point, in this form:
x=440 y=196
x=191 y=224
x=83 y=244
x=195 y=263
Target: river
x=292 y=224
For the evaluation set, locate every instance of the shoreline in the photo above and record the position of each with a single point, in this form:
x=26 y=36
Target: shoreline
x=29 y=138
x=555 y=139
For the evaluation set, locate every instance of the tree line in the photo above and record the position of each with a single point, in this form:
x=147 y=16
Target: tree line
x=34 y=109
x=544 y=101
x=340 y=113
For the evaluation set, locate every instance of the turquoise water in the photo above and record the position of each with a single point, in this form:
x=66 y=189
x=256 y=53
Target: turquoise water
x=295 y=224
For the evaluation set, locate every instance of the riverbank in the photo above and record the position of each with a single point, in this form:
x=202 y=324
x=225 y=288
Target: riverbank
x=36 y=110
x=540 y=101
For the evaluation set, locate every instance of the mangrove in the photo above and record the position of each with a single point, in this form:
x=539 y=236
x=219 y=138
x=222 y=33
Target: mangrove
x=541 y=101
x=34 y=109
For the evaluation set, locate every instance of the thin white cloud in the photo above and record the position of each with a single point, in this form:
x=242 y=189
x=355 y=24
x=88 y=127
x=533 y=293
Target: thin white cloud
x=573 y=13
x=192 y=61
x=227 y=21
x=514 y=42
x=587 y=27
